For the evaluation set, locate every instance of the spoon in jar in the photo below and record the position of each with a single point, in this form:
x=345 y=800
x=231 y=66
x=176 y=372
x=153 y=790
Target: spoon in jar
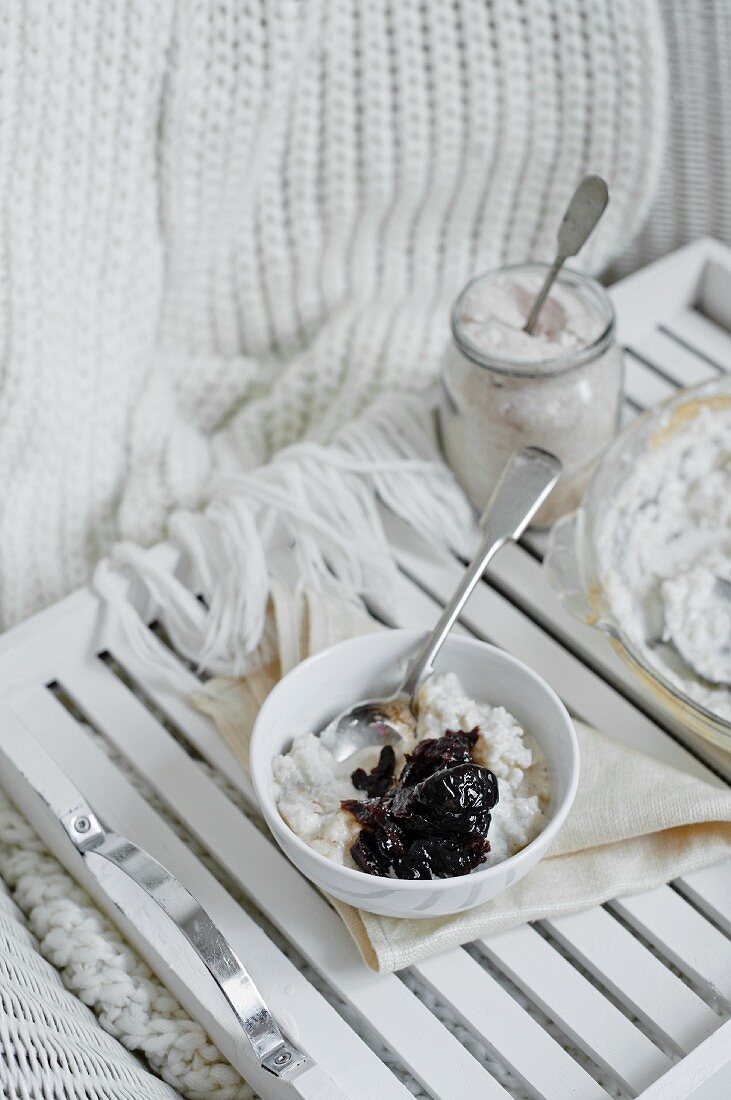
x=524 y=484
x=697 y=612
x=587 y=205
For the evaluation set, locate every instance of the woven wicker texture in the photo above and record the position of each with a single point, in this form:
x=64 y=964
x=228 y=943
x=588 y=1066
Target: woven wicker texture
x=51 y=1045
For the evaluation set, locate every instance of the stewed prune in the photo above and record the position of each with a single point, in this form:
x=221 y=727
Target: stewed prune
x=437 y=753
x=455 y=800
x=439 y=857
x=432 y=822
x=377 y=781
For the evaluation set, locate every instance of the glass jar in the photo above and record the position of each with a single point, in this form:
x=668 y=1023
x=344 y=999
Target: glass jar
x=502 y=389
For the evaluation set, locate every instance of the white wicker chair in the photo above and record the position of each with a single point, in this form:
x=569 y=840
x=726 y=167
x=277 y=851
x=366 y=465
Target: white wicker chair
x=51 y=1045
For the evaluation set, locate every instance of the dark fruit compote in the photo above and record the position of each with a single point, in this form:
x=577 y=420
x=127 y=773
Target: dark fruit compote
x=432 y=821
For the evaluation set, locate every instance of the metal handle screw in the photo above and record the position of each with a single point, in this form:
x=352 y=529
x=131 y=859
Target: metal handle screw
x=82 y=824
x=283 y=1058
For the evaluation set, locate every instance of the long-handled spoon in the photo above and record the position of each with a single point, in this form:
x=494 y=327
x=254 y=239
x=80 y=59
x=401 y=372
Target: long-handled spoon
x=703 y=600
x=587 y=205
x=526 y=481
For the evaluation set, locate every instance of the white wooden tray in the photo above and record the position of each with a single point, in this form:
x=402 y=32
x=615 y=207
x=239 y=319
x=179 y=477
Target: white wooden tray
x=629 y=999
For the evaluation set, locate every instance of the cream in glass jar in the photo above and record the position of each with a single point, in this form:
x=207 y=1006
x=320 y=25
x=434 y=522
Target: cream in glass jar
x=559 y=388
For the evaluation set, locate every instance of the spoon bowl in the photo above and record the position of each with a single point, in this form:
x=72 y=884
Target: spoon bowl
x=372 y=722
x=697 y=609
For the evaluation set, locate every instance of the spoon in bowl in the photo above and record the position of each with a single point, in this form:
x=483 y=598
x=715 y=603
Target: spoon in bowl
x=697 y=611
x=524 y=484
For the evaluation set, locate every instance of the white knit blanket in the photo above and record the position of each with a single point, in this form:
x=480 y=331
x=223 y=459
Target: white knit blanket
x=225 y=227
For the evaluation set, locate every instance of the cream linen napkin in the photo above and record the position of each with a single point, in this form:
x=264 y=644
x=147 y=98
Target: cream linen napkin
x=635 y=823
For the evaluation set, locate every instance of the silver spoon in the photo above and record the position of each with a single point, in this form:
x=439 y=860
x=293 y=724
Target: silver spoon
x=524 y=484
x=710 y=662
x=587 y=205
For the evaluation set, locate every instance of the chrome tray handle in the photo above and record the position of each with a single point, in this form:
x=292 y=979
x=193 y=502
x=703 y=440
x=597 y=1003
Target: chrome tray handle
x=276 y=1053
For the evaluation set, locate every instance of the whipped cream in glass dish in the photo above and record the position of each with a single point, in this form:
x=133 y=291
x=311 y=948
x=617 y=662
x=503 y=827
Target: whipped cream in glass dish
x=395 y=814
x=559 y=388
x=646 y=559
x=663 y=542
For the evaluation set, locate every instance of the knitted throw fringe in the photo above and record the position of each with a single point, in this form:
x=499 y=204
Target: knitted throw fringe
x=310 y=516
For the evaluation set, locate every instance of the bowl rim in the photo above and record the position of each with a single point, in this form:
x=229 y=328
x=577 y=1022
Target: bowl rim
x=279 y=826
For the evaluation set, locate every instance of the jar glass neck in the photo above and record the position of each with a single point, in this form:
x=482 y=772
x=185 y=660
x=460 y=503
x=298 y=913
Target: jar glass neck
x=592 y=297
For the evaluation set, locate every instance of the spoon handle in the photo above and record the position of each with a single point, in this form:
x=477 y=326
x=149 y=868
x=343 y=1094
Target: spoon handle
x=543 y=293
x=586 y=207
x=524 y=484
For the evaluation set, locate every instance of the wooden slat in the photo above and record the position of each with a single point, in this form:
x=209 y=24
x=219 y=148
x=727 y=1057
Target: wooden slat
x=486 y=1009
x=297 y=1005
x=197 y=729
x=713 y=298
x=662 y=289
x=587 y=1017
x=33 y=650
x=703 y=1075
x=702 y=335
x=429 y=1051
x=72 y=630
x=683 y=936
x=710 y=889
x=639 y=981
x=673 y=359
x=642 y=385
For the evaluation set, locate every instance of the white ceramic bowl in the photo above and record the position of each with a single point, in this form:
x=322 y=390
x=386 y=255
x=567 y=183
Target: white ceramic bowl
x=372 y=666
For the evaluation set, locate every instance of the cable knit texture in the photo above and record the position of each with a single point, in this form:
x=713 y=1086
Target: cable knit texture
x=226 y=226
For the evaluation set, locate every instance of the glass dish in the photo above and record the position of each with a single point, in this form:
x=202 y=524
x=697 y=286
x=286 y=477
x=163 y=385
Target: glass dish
x=572 y=561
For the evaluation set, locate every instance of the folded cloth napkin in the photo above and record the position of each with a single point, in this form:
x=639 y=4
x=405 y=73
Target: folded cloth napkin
x=635 y=824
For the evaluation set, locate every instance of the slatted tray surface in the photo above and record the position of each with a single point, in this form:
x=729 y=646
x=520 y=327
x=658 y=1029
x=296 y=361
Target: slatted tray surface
x=628 y=999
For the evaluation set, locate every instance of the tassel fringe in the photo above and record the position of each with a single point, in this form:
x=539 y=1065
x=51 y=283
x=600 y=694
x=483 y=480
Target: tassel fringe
x=309 y=517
